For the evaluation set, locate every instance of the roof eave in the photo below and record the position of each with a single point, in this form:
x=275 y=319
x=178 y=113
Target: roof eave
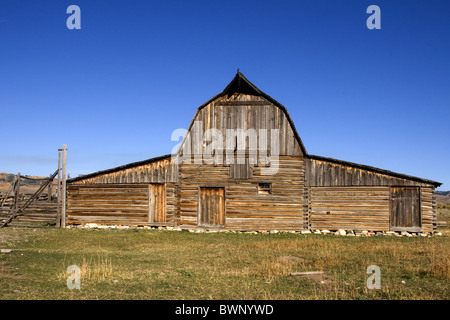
x=374 y=169
x=115 y=169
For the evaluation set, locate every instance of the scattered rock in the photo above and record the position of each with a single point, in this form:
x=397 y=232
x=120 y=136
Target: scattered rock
x=390 y=233
x=6 y=250
x=305 y=232
x=438 y=234
x=351 y=235
x=325 y=231
x=316 y=231
x=341 y=232
x=273 y=231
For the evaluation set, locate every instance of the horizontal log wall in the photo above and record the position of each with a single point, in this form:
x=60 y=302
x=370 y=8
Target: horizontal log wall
x=160 y=171
x=116 y=204
x=428 y=207
x=108 y=204
x=363 y=208
x=171 y=204
x=245 y=209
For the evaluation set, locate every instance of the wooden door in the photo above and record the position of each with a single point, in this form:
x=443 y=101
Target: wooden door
x=405 y=209
x=212 y=207
x=157 y=208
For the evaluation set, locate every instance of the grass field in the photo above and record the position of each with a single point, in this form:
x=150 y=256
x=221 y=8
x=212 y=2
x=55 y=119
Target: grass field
x=158 y=264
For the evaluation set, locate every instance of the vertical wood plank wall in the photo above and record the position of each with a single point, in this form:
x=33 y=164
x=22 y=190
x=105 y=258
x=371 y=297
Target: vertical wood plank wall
x=160 y=171
x=246 y=112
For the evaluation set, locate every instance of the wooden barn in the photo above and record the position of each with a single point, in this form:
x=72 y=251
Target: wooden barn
x=242 y=166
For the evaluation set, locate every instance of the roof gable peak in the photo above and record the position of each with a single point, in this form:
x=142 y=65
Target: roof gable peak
x=240 y=84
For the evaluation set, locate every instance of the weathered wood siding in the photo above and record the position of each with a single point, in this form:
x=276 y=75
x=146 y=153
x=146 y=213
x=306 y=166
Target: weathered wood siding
x=327 y=174
x=405 y=208
x=172 y=208
x=117 y=204
x=160 y=171
x=245 y=112
x=357 y=198
x=364 y=208
x=428 y=207
x=245 y=209
x=212 y=207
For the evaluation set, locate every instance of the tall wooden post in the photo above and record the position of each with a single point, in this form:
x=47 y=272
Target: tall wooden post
x=63 y=193
x=16 y=192
x=58 y=190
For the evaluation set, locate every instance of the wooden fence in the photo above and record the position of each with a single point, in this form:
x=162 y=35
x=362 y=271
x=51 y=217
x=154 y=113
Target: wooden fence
x=39 y=213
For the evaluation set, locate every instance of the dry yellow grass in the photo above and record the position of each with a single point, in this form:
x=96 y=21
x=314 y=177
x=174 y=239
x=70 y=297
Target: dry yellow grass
x=154 y=264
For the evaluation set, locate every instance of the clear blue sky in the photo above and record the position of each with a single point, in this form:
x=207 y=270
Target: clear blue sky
x=137 y=70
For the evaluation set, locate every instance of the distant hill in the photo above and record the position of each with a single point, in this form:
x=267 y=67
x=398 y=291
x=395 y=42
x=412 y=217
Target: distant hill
x=443 y=197
x=26 y=185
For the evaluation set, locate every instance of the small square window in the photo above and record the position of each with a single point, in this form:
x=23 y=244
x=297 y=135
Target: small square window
x=264 y=188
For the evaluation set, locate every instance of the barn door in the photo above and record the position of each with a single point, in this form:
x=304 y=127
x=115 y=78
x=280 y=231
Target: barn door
x=212 y=207
x=157 y=208
x=405 y=209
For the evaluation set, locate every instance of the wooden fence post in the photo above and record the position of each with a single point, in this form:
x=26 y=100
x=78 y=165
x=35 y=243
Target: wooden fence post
x=49 y=190
x=58 y=190
x=63 y=193
x=16 y=192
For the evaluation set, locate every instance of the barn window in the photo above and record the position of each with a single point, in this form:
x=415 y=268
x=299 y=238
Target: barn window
x=264 y=188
